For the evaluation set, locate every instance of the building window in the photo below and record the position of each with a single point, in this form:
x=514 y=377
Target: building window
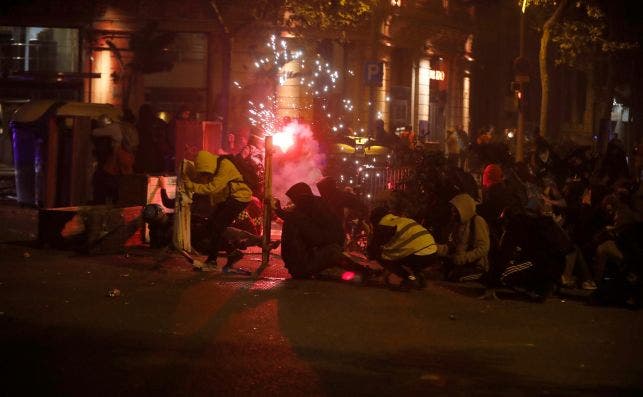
x=423 y=89
x=38 y=49
x=186 y=83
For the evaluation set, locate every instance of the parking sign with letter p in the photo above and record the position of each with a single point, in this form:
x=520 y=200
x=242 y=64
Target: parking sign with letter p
x=373 y=73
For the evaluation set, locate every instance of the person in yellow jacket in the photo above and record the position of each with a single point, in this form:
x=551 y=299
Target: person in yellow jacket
x=229 y=194
x=401 y=246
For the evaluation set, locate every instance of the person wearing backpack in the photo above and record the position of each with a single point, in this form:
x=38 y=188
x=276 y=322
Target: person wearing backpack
x=219 y=179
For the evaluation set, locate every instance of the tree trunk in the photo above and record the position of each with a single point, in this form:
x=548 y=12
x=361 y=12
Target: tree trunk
x=543 y=59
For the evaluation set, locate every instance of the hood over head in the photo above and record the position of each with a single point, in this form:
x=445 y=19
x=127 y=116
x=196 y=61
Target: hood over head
x=465 y=205
x=491 y=175
x=299 y=189
x=327 y=185
x=205 y=162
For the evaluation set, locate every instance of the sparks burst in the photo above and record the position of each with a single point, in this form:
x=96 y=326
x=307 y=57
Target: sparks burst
x=317 y=76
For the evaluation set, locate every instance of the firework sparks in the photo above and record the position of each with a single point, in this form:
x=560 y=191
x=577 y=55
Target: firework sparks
x=315 y=75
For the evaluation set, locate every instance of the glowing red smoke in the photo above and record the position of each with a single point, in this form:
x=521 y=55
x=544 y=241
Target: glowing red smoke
x=302 y=162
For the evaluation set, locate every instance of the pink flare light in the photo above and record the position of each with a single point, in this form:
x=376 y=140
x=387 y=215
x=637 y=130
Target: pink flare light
x=348 y=276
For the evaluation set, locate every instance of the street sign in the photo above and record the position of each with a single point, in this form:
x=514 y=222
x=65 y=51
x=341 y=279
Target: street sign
x=373 y=73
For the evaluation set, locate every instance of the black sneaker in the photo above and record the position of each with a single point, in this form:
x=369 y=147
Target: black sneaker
x=211 y=260
x=421 y=281
x=236 y=270
x=371 y=276
x=234 y=257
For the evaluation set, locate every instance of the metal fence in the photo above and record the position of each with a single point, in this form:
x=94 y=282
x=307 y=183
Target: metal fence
x=369 y=182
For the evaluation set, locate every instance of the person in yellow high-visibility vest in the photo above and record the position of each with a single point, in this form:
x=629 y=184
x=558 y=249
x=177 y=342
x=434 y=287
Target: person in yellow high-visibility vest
x=401 y=246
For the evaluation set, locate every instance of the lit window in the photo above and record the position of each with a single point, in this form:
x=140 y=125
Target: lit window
x=423 y=89
x=39 y=49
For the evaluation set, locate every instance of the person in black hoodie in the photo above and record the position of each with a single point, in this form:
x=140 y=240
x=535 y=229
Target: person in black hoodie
x=312 y=236
x=347 y=206
x=532 y=253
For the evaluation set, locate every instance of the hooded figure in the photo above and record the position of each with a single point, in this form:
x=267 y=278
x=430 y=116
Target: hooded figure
x=225 y=180
x=312 y=236
x=230 y=195
x=341 y=201
x=496 y=196
x=469 y=241
x=491 y=175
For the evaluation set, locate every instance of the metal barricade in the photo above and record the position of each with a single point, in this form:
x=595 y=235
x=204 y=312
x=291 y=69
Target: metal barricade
x=375 y=180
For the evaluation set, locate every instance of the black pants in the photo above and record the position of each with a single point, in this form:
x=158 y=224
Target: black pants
x=414 y=263
x=222 y=217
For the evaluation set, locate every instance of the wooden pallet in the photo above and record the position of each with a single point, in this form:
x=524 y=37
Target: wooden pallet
x=98 y=229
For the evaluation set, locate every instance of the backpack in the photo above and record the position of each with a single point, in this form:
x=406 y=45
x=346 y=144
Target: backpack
x=248 y=170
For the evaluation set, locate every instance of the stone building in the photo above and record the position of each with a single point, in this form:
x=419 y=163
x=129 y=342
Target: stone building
x=414 y=66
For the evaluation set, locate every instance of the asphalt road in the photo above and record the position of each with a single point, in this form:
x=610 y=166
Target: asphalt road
x=173 y=331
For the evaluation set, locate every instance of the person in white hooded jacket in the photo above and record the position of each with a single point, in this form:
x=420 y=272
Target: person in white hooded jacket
x=467 y=251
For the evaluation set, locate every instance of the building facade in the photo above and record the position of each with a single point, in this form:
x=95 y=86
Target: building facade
x=414 y=67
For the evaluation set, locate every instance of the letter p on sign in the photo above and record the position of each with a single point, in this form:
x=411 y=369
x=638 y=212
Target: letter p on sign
x=373 y=73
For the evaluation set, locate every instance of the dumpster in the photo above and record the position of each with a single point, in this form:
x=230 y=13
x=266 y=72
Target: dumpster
x=52 y=150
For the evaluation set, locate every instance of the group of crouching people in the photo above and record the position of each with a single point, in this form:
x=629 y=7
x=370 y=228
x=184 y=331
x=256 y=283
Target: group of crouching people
x=313 y=239
x=536 y=227
x=572 y=222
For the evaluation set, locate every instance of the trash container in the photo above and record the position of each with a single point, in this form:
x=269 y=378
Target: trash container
x=53 y=151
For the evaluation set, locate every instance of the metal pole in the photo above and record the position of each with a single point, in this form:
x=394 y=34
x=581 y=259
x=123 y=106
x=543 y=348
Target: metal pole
x=520 y=134
x=267 y=206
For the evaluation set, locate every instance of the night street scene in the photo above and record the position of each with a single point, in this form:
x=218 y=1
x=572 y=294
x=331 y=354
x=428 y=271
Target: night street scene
x=321 y=198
